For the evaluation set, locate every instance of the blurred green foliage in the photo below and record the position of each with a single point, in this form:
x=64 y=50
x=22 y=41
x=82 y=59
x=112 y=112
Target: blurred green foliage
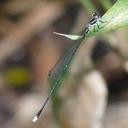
x=17 y=76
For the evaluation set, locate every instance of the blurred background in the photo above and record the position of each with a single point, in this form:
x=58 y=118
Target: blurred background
x=95 y=92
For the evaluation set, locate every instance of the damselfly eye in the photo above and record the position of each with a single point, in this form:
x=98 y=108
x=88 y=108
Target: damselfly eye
x=94 y=14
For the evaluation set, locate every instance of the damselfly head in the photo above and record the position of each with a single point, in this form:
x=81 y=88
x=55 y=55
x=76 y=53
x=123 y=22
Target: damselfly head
x=94 y=14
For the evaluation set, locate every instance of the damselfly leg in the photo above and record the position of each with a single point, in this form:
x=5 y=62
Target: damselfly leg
x=95 y=22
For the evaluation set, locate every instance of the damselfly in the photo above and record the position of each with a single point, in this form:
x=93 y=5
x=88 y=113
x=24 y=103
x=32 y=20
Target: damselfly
x=62 y=65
